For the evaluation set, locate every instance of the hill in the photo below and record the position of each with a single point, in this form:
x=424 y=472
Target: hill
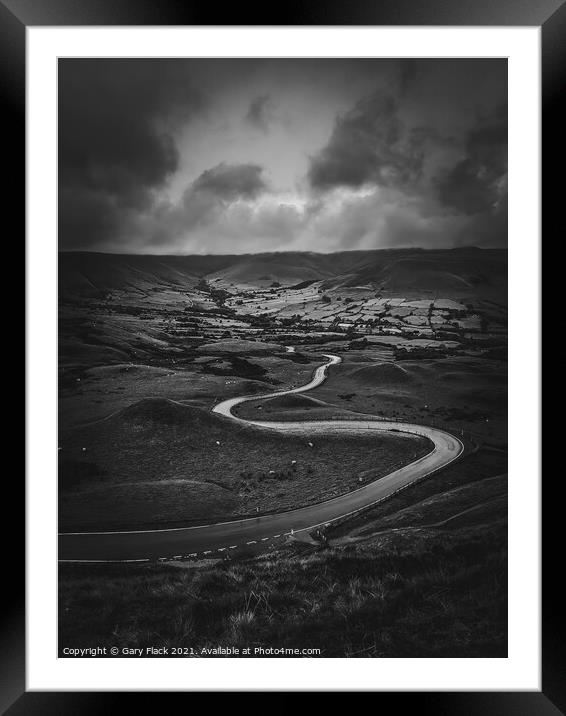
x=161 y=463
x=382 y=374
x=295 y=401
x=400 y=270
x=239 y=346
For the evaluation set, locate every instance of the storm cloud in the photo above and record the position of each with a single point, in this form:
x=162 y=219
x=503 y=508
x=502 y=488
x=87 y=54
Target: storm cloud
x=230 y=181
x=116 y=121
x=369 y=144
x=477 y=182
x=205 y=203
x=229 y=156
x=259 y=112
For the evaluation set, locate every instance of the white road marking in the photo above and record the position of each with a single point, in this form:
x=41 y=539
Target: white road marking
x=252 y=542
x=104 y=561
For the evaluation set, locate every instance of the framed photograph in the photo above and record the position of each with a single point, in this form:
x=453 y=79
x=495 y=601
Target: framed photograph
x=283 y=314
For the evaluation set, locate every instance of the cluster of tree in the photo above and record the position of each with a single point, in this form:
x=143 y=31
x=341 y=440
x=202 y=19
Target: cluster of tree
x=219 y=295
x=291 y=320
x=260 y=320
x=358 y=344
x=402 y=353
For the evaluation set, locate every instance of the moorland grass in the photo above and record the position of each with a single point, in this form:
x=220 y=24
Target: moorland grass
x=429 y=593
x=159 y=463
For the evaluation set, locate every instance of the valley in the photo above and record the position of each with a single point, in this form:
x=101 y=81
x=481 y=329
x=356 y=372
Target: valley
x=149 y=345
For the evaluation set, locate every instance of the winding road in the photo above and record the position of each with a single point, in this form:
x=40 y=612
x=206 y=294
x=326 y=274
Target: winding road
x=215 y=539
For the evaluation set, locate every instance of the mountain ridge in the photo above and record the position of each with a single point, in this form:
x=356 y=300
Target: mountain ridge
x=393 y=270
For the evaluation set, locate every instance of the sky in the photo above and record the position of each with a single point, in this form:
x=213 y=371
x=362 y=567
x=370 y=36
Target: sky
x=232 y=156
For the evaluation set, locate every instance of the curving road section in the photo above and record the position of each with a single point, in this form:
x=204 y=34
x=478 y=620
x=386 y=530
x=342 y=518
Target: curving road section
x=214 y=539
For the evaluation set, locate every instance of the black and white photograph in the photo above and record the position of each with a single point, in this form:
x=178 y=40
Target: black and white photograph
x=282 y=357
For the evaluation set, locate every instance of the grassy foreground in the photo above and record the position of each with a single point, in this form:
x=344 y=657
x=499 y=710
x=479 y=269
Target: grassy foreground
x=424 y=593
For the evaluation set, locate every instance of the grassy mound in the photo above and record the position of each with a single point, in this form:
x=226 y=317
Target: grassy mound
x=293 y=402
x=238 y=346
x=152 y=412
x=181 y=448
x=382 y=374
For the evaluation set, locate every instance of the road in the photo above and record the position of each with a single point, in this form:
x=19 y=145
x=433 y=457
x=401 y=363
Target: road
x=217 y=539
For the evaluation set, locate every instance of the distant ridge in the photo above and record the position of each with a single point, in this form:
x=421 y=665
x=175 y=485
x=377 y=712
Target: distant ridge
x=283 y=253
x=394 y=270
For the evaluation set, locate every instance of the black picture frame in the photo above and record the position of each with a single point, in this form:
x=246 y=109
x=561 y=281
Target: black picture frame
x=550 y=15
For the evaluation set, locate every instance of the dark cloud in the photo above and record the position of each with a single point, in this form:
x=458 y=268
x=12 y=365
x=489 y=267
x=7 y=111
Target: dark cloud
x=212 y=196
x=367 y=154
x=86 y=216
x=116 y=117
x=231 y=181
x=369 y=145
x=477 y=183
x=259 y=112
x=488 y=229
x=459 y=199
x=408 y=72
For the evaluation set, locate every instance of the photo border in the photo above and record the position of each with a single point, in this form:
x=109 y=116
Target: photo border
x=16 y=15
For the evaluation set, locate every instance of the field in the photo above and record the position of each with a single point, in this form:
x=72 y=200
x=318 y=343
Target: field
x=456 y=392
x=148 y=346
x=159 y=463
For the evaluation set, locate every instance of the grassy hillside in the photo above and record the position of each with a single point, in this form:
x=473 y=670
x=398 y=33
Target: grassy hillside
x=401 y=592
x=460 y=270
x=290 y=408
x=456 y=392
x=159 y=463
x=95 y=274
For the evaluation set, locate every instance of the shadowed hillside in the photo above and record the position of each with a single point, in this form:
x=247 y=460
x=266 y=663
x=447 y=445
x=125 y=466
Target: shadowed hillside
x=157 y=462
x=382 y=373
x=447 y=270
